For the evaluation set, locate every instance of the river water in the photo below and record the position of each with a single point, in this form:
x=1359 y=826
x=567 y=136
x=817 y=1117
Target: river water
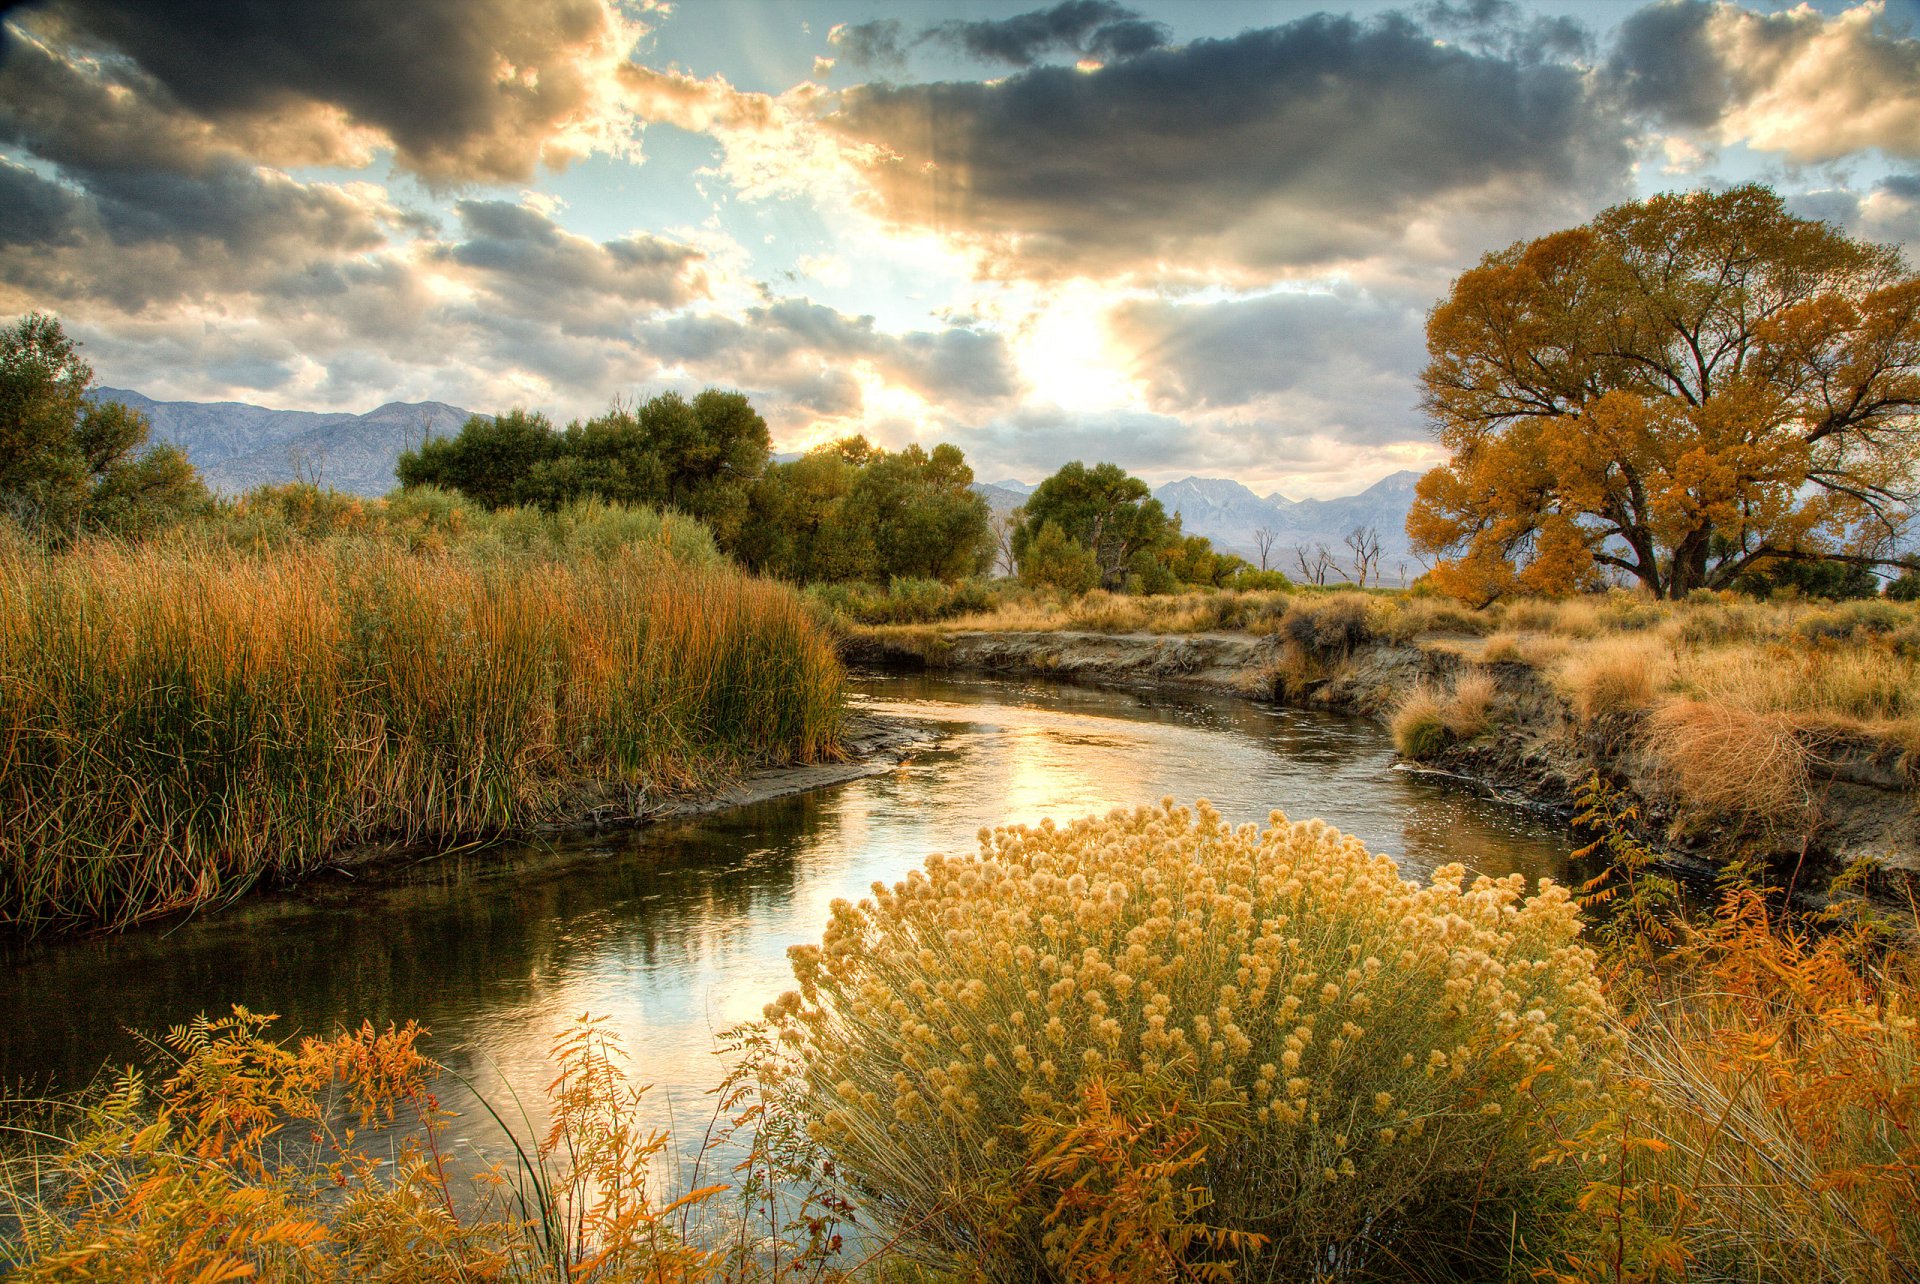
x=680 y=930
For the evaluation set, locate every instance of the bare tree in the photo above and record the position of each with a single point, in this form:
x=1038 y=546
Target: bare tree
x=1365 y=543
x=1316 y=564
x=1002 y=526
x=1263 y=541
x=308 y=466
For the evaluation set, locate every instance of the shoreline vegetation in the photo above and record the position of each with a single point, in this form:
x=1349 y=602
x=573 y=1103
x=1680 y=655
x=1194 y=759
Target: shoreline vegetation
x=186 y=717
x=1786 y=727
x=1137 y=1049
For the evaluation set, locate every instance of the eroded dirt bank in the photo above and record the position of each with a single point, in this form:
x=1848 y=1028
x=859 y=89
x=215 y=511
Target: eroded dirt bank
x=1535 y=753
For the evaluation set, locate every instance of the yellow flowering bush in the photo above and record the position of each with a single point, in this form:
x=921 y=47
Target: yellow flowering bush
x=1335 y=1070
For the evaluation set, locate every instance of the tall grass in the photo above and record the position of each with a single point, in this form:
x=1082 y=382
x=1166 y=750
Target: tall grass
x=177 y=722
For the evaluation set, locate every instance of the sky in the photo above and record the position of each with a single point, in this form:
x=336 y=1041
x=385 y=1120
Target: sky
x=1197 y=237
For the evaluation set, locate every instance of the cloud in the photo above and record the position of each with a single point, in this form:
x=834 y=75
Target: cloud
x=797 y=344
x=879 y=43
x=1100 y=28
x=1276 y=149
x=1351 y=357
x=1888 y=212
x=1798 y=82
x=529 y=266
x=461 y=89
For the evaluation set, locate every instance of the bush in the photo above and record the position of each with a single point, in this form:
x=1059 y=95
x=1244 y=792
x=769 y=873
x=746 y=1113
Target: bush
x=1331 y=627
x=1345 y=1072
x=1051 y=560
x=1250 y=580
x=1905 y=589
x=904 y=600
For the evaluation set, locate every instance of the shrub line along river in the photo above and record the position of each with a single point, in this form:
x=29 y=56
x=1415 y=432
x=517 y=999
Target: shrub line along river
x=679 y=930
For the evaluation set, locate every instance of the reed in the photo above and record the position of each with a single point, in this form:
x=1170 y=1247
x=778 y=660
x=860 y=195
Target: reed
x=180 y=721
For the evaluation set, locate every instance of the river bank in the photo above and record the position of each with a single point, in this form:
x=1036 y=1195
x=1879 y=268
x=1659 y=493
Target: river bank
x=1534 y=748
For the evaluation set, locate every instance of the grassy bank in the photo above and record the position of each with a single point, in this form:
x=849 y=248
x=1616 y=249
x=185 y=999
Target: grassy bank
x=1740 y=721
x=182 y=719
x=1146 y=1048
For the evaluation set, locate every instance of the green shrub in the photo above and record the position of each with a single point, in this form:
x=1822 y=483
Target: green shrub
x=1347 y=1073
x=1250 y=580
x=1051 y=560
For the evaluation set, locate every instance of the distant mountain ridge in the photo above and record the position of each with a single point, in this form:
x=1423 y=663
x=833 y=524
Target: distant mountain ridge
x=237 y=446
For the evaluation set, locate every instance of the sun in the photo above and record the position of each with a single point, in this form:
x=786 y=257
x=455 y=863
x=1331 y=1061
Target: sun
x=1065 y=351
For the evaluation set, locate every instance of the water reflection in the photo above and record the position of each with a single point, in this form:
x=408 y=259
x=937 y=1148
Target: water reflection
x=679 y=931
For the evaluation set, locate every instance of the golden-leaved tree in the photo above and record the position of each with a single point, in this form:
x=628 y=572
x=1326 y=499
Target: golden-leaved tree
x=1686 y=388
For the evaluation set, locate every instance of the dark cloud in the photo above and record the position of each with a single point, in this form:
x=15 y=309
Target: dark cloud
x=1287 y=146
x=35 y=212
x=1813 y=86
x=463 y=89
x=1501 y=27
x=538 y=271
x=879 y=43
x=1100 y=28
x=1664 y=64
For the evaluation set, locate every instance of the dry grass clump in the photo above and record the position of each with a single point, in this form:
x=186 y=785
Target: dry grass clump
x=1725 y=760
x=1622 y=674
x=183 y=720
x=1331 y=1071
x=1429 y=719
x=1331 y=626
x=1535 y=650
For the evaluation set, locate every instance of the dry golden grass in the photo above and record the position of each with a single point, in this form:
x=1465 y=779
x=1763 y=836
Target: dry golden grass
x=1615 y=674
x=1722 y=759
x=1428 y=719
x=183 y=720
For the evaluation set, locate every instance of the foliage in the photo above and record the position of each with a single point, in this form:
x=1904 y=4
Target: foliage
x=1906 y=588
x=1051 y=559
x=257 y=1159
x=903 y=601
x=69 y=463
x=184 y=718
x=852 y=512
x=1766 y=1124
x=1354 y=1069
x=1103 y=509
x=698 y=457
x=1684 y=389
x=426 y=519
x=1811 y=577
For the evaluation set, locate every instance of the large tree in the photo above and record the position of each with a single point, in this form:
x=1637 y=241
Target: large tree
x=1104 y=509
x=70 y=463
x=1684 y=389
x=852 y=511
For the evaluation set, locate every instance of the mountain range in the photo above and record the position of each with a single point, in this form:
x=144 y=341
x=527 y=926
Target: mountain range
x=237 y=446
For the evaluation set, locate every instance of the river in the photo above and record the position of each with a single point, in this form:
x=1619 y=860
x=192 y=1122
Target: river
x=680 y=930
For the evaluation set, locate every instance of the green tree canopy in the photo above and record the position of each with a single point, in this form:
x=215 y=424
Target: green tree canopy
x=699 y=457
x=1105 y=510
x=1684 y=389
x=69 y=463
x=852 y=511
